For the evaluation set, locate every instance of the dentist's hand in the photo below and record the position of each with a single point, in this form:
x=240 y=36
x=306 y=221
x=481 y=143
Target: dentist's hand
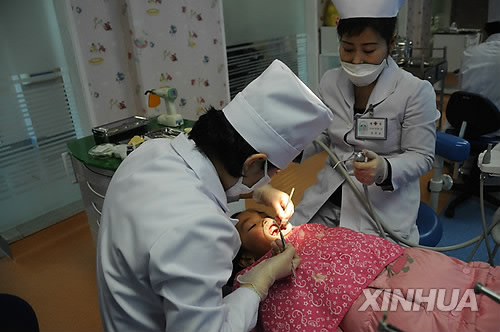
x=276 y=199
x=262 y=276
x=373 y=170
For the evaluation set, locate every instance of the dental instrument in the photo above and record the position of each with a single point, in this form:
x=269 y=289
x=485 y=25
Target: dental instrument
x=379 y=224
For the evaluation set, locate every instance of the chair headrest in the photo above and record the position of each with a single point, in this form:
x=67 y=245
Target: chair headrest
x=482 y=116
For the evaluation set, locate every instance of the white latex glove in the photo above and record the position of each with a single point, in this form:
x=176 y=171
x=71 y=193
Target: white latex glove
x=373 y=170
x=276 y=199
x=262 y=276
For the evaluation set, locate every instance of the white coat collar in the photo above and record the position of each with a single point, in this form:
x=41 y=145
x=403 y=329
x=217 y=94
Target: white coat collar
x=385 y=86
x=203 y=168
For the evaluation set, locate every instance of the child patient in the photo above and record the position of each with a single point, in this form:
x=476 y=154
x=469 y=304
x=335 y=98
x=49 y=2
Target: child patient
x=345 y=276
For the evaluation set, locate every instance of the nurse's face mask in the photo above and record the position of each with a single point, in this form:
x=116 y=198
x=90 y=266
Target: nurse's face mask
x=362 y=74
x=240 y=188
x=363 y=57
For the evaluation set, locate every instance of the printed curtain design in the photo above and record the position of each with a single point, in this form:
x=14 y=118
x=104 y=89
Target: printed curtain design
x=128 y=47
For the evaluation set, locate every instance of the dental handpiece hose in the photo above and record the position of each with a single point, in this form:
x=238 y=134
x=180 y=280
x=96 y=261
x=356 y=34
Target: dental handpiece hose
x=370 y=206
x=479 y=288
x=377 y=219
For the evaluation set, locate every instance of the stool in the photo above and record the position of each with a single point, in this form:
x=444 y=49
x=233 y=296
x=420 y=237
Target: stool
x=429 y=226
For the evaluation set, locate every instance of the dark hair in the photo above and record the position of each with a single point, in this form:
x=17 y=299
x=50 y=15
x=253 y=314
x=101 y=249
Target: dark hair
x=492 y=28
x=385 y=26
x=228 y=288
x=217 y=138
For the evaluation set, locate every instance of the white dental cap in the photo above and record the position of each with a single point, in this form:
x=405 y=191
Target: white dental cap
x=493 y=11
x=277 y=114
x=368 y=8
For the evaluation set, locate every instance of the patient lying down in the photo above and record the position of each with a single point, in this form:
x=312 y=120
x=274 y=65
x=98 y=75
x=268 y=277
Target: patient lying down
x=347 y=280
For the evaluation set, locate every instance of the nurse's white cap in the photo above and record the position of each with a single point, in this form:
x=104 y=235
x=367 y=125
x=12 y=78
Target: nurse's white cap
x=493 y=11
x=368 y=8
x=277 y=114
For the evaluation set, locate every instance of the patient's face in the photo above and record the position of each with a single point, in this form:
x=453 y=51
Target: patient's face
x=257 y=232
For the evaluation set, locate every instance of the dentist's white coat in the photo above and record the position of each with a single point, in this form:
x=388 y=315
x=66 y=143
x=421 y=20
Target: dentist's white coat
x=166 y=245
x=410 y=106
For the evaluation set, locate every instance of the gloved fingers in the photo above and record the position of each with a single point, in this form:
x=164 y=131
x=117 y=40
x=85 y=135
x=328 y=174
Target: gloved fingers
x=286 y=254
x=276 y=247
x=279 y=203
x=288 y=211
x=282 y=263
x=296 y=261
x=259 y=192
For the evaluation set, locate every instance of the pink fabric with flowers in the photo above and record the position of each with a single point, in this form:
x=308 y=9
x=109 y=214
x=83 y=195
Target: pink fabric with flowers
x=336 y=265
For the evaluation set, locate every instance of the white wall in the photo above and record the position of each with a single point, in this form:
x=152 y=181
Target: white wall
x=27 y=46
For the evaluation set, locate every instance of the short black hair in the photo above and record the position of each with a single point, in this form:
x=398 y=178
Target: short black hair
x=385 y=26
x=492 y=28
x=216 y=137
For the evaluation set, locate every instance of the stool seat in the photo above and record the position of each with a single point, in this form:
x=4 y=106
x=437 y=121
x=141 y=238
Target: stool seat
x=429 y=226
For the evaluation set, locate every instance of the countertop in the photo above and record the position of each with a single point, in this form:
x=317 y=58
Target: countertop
x=79 y=148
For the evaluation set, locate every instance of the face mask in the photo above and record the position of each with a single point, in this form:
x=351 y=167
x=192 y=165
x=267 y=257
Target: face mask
x=239 y=188
x=362 y=74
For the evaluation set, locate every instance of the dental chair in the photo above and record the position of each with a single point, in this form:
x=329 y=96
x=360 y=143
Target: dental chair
x=472 y=117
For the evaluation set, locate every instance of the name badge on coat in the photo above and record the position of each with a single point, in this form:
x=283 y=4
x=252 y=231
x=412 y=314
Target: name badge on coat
x=371 y=128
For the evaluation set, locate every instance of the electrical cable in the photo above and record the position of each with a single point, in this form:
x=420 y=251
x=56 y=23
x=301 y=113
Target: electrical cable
x=383 y=226
x=483 y=223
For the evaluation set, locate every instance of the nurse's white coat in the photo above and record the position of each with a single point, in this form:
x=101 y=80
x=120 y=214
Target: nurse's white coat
x=409 y=104
x=166 y=245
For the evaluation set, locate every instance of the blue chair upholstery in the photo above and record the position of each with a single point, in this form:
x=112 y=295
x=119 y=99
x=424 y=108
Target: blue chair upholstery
x=452 y=147
x=429 y=226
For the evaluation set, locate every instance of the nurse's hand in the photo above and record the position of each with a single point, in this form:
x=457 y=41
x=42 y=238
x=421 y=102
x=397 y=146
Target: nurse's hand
x=373 y=170
x=278 y=200
x=263 y=275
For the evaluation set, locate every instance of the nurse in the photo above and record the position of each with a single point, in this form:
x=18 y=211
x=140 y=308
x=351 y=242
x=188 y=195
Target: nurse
x=480 y=71
x=166 y=242
x=379 y=109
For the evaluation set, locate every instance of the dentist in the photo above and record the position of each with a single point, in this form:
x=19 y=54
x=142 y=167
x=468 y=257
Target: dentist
x=166 y=242
x=379 y=109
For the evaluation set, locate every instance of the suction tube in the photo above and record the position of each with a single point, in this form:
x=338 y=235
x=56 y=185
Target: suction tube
x=381 y=226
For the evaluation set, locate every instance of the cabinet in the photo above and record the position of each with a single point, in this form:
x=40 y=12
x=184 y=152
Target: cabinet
x=431 y=68
x=93 y=182
x=456 y=43
x=94 y=175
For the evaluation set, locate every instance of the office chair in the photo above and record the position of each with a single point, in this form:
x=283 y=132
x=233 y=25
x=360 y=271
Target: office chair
x=472 y=116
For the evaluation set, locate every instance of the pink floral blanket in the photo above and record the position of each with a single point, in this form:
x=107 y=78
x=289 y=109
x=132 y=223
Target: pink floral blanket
x=336 y=265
